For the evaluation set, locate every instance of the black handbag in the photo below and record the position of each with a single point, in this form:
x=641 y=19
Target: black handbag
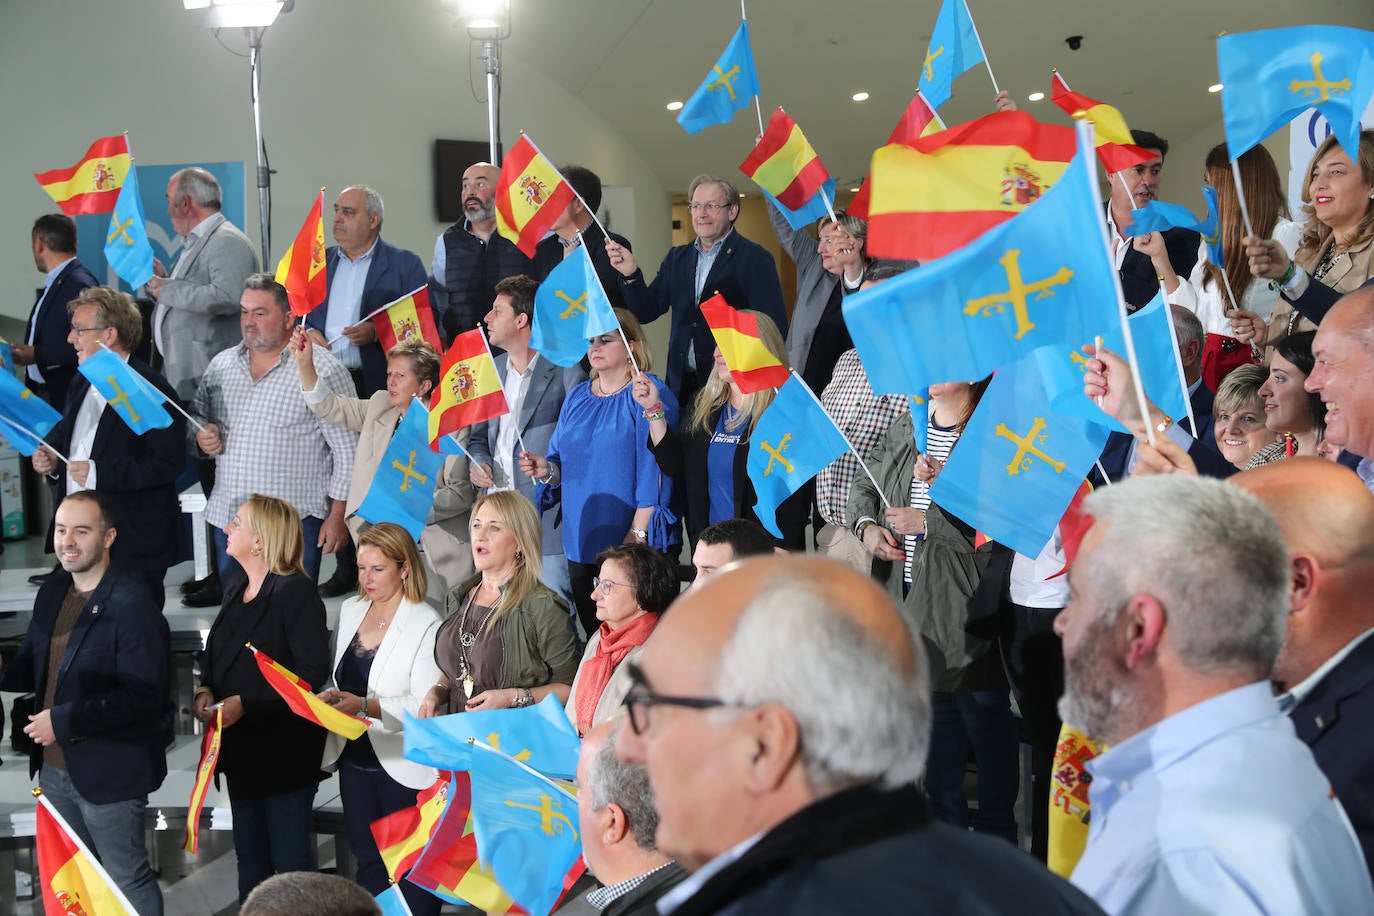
x=23 y=706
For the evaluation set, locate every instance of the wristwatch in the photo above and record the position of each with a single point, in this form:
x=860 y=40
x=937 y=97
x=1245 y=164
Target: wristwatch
x=640 y=533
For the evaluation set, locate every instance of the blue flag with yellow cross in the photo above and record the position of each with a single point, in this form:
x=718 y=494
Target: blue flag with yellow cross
x=954 y=48
x=1018 y=463
x=24 y=416
x=794 y=439
x=728 y=87
x=127 y=248
x=128 y=394
x=570 y=308
x=539 y=735
x=402 y=490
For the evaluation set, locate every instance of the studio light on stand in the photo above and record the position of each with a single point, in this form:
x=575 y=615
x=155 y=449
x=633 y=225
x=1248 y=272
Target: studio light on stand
x=488 y=22
x=253 y=17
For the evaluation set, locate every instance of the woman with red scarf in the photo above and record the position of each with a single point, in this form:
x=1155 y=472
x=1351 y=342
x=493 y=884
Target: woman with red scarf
x=634 y=584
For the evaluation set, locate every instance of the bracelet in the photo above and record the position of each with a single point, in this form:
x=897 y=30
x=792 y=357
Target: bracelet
x=523 y=697
x=1164 y=424
x=442 y=686
x=654 y=413
x=1287 y=275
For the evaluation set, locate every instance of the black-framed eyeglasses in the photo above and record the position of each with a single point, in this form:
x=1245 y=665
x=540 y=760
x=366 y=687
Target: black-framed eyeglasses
x=97 y=327
x=640 y=699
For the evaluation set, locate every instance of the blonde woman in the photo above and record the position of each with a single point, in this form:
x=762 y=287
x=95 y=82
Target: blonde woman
x=709 y=454
x=507 y=639
x=599 y=466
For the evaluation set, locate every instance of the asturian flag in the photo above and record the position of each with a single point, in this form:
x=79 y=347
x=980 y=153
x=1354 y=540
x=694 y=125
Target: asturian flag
x=127 y=249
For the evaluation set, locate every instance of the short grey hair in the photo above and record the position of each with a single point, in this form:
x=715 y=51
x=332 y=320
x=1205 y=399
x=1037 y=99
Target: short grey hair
x=1187 y=328
x=1210 y=553
x=309 y=893
x=871 y=722
x=268 y=284
x=612 y=781
x=731 y=192
x=199 y=185
x=375 y=207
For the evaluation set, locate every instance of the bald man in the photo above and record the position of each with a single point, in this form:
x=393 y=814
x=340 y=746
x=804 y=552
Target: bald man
x=783 y=713
x=1327 y=663
x=1344 y=376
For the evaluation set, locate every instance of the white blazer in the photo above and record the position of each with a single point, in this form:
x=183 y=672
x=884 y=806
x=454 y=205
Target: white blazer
x=402 y=672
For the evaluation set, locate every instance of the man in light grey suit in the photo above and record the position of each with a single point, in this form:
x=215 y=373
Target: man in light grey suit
x=535 y=389
x=198 y=303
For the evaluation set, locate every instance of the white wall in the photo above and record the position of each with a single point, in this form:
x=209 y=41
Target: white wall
x=353 y=91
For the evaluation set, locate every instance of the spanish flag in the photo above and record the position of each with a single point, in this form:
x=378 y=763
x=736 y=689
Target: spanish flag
x=935 y=194
x=70 y=878
x=784 y=164
x=448 y=866
x=530 y=195
x=408 y=317
x=919 y=120
x=1112 y=137
x=205 y=771
x=402 y=835
x=303 y=703
x=92 y=185
x=301 y=269
x=752 y=366
x=469 y=389
x=1069 y=806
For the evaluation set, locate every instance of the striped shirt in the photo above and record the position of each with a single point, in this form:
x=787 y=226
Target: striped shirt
x=939 y=441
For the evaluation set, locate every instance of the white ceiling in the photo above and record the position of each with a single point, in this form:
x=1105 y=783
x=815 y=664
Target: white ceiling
x=626 y=59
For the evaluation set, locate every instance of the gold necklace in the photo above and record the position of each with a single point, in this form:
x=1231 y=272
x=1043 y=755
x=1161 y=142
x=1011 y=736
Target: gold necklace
x=467 y=640
x=601 y=390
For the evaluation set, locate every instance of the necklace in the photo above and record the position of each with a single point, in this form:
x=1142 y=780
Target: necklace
x=466 y=640
x=1328 y=260
x=600 y=389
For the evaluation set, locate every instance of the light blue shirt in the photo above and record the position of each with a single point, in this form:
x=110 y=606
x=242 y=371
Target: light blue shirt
x=345 y=295
x=704 y=261
x=1219 y=809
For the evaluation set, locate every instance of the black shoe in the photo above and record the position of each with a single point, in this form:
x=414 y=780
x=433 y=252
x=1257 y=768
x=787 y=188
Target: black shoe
x=209 y=595
x=341 y=583
x=194 y=584
x=40 y=578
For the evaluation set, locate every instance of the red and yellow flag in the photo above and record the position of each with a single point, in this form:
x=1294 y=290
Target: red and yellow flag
x=448 y=867
x=92 y=185
x=205 y=771
x=72 y=880
x=469 y=390
x=402 y=835
x=937 y=193
x=303 y=702
x=530 y=195
x=1115 y=146
x=1069 y=807
x=301 y=269
x=751 y=364
x=919 y=120
x=784 y=164
x=406 y=318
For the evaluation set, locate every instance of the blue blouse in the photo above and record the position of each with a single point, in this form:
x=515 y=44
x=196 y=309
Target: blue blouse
x=720 y=466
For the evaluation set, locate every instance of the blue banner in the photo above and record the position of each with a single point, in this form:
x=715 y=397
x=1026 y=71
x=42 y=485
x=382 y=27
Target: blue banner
x=730 y=85
x=570 y=308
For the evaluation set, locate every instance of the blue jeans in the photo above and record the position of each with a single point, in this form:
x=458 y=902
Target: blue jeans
x=310 y=529
x=983 y=719
x=272 y=835
x=369 y=795
x=114 y=832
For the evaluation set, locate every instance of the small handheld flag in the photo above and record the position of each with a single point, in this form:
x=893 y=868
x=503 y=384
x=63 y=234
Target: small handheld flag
x=530 y=194
x=728 y=87
x=24 y=413
x=68 y=874
x=751 y=364
x=409 y=317
x=401 y=835
x=954 y=49
x=302 y=270
x=469 y=390
x=794 y=439
x=138 y=403
x=205 y=772
x=1115 y=146
x=539 y=735
x=303 y=703
x=918 y=120
x=570 y=308
x=784 y=164
x=448 y=866
x=92 y=185
x=126 y=245
x=402 y=490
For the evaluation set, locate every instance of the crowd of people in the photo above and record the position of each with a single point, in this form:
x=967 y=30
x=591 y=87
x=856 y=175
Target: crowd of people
x=792 y=735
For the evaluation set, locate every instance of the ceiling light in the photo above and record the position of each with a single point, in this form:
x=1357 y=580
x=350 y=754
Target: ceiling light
x=1215 y=87
x=1036 y=96
x=854 y=190
x=674 y=105
x=236 y=14
x=860 y=96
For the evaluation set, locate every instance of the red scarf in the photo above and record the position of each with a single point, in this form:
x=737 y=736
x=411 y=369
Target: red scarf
x=611 y=649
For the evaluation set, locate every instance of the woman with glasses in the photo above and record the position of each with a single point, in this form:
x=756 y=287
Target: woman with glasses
x=634 y=584
x=507 y=639
x=599 y=468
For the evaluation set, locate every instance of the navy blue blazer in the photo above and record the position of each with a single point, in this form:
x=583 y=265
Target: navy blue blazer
x=56 y=358
x=137 y=472
x=1336 y=720
x=548 y=254
x=1318 y=299
x=394 y=272
x=1204 y=451
x=112 y=709
x=743 y=272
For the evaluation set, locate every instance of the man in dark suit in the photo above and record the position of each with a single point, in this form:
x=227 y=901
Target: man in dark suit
x=1135 y=187
x=1326 y=668
x=719 y=260
x=575 y=226
x=48 y=360
x=616 y=814
x=97 y=656
x=535 y=389
x=365 y=273
x=136 y=473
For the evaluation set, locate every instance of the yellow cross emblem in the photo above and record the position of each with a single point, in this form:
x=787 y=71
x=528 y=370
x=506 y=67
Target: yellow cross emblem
x=928 y=66
x=574 y=305
x=1016 y=293
x=494 y=739
x=775 y=454
x=120 y=231
x=408 y=472
x=121 y=398
x=724 y=80
x=552 y=821
x=1027 y=450
x=1319 y=84
x=1079 y=360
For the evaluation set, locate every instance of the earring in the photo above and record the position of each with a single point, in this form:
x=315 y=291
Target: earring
x=520 y=556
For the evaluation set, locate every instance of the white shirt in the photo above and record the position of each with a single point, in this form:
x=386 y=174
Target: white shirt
x=1299 y=692
x=345 y=295
x=516 y=386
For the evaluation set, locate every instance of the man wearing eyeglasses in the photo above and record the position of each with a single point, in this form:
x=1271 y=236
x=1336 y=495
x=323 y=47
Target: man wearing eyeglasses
x=719 y=260
x=783 y=713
